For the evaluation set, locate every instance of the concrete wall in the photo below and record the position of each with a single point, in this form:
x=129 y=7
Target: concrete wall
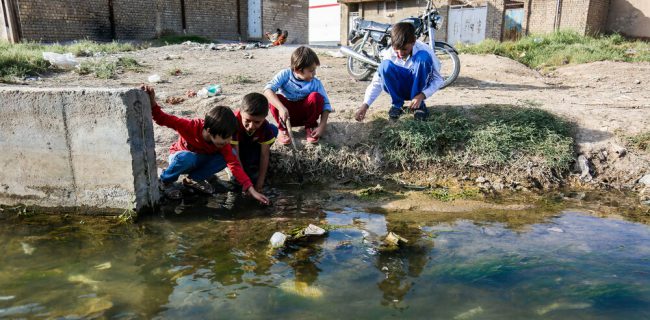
x=77 y=147
x=290 y=15
x=630 y=18
x=597 y=16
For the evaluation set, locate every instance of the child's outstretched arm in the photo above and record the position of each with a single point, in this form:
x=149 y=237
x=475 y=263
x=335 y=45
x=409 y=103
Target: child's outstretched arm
x=265 y=154
x=162 y=118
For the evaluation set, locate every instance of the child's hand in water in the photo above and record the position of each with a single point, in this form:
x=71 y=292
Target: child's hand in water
x=258 y=196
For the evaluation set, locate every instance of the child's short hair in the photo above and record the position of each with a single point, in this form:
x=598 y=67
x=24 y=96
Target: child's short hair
x=255 y=104
x=220 y=121
x=403 y=33
x=303 y=57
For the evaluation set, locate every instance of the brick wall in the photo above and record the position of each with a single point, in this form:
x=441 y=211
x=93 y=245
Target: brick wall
x=494 y=23
x=147 y=19
x=212 y=19
x=290 y=15
x=582 y=16
x=58 y=20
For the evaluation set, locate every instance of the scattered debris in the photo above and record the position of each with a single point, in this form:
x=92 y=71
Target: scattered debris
x=103 y=266
x=154 y=78
x=301 y=288
x=336 y=54
x=252 y=46
x=583 y=166
x=27 y=248
x=392 y=240
x=174 y=100
x=562 y=306
x=248 y=55
x=471 y=313
x=278 y=239
x=209 y=91
x=190 y=93
x=62 y=61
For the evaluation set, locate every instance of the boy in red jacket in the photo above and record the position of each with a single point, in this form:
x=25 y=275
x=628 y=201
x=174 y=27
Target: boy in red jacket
x=203 y=149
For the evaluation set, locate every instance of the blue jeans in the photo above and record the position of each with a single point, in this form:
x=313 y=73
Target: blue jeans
x=405 y=83
x=197 y=166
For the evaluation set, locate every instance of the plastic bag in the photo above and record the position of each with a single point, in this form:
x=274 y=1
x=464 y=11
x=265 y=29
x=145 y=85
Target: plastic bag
x=62 y=61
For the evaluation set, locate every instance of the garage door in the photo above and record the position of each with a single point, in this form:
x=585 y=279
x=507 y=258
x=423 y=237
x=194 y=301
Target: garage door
x=466 y=25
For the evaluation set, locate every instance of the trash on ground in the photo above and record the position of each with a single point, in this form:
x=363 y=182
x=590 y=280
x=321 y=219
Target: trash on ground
x=248 y=55
x=174 y=100
x=336 y=54
x=154 y=78
x=63 y=61
x=278 y=239
x=393 y=239
x=209 y=91
x=190 y=93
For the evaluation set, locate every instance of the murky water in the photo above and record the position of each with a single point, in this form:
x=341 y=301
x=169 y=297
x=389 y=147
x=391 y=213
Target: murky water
x=200 y=262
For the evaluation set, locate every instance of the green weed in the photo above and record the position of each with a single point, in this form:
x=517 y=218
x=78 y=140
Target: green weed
x=640 y=141
x=564 y=47
x=486 y=136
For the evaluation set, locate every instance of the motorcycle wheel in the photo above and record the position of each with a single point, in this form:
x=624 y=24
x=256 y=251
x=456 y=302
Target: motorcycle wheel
x=449 y=65
x=357 y=69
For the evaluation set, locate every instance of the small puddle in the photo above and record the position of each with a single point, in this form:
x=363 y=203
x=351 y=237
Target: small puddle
x=205 y=261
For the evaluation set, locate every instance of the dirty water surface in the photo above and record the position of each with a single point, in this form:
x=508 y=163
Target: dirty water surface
x=202 y=261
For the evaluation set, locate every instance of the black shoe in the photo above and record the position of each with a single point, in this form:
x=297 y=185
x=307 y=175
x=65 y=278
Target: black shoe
x=422 y=113
x=394 y=113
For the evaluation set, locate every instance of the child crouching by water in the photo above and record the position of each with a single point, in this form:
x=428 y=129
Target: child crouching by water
x=203 y=149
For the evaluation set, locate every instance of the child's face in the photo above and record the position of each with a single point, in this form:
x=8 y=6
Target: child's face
x=216 y=140
x=306 y=74
x=404 y=52
x=251 y=122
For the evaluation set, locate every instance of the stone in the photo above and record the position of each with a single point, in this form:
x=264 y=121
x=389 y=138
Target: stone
x=481 y=180
x=645 y=180
x=583 y=165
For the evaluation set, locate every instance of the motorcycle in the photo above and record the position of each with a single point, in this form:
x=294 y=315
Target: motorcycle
x=370 y=38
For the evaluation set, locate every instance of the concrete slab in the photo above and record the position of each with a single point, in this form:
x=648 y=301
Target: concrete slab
x=73 y=148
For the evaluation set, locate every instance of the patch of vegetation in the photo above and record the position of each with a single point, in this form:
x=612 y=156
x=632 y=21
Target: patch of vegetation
x=446 y=195
x=373 y=193
x=26 y=59
x=488 y=136
x=239 y=79
x=640 y=141
x=564 y=47
x=106 y=69
x=178 y=39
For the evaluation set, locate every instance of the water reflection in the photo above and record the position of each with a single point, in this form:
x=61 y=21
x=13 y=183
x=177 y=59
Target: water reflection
x=205 y=261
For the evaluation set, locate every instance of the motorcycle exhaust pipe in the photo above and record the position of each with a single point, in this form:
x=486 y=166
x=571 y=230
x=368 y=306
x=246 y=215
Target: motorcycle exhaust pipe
x=351 y=53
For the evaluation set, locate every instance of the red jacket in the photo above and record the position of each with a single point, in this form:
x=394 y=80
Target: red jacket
x=190 y=138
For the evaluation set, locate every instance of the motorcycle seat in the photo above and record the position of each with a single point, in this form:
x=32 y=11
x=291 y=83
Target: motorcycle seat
x=373 y=26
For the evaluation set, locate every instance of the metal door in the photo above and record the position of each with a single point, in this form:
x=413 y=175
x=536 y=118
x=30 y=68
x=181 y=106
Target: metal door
x=324 y=22
x=512 y=24
x=255 y=19
x=466 y=25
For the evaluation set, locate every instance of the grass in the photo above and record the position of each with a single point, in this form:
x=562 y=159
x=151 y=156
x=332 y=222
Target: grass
x=106 y=69
x=491 y=136
x=640 y=141
x=26 y=59
x=564 y=47
x=178 y=39
x=446 y=195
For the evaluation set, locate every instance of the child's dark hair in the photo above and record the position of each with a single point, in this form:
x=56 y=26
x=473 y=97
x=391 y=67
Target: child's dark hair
x=303 y=57
x=220 y=121
x=255 y=104
x=403 y=33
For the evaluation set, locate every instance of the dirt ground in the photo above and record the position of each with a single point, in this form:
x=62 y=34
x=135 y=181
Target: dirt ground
x=608 y=101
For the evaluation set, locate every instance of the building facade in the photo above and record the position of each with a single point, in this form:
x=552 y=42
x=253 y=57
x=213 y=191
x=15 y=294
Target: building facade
x=471 y=21
x=102 y=20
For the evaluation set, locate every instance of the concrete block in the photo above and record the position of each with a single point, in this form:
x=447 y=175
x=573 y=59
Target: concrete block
x=72 y=148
